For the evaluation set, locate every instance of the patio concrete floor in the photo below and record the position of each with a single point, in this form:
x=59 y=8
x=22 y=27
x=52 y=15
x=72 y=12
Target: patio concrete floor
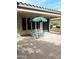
x=47 y=47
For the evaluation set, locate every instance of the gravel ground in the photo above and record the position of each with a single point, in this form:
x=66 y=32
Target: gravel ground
x=47 y=47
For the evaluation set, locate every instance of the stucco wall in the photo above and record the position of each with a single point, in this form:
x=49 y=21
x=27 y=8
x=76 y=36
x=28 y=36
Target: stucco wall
x=19 y=26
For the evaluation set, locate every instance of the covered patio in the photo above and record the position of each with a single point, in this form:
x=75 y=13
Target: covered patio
x=25 y=14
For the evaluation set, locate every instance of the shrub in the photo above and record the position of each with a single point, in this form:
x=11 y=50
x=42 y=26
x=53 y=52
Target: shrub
x=57 y=26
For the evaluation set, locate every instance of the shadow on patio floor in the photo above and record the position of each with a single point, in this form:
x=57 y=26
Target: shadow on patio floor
x=34 y=49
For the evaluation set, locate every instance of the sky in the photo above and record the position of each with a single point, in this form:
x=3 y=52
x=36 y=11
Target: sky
x=51 y=4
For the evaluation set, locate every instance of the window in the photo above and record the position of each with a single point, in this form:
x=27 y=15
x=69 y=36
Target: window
x=29 y=23
x=24 y=23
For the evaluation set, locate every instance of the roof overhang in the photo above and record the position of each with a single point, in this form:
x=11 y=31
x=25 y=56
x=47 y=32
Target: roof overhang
x=29 y=11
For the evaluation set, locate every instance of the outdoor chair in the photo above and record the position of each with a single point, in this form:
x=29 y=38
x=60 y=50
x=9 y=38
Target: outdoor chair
x=36 y=34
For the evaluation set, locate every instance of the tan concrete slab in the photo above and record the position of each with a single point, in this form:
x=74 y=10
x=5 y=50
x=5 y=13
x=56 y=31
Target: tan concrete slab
x=47 y=47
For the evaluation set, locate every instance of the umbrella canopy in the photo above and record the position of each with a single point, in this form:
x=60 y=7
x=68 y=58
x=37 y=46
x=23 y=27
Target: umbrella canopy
x=39 y=19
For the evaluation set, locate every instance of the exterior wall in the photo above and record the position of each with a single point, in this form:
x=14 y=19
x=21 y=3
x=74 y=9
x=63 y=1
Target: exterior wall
x=19 y=27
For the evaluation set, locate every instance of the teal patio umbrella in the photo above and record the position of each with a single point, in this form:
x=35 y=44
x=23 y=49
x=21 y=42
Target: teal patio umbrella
x=39 y=19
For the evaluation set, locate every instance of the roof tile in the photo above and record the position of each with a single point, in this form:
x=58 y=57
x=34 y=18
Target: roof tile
x=35 y=6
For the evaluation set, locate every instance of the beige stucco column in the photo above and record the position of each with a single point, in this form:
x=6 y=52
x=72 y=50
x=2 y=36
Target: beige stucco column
x=41 y=26
x=49 y=24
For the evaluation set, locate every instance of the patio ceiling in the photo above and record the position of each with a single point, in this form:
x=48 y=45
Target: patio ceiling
x=34 y=13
